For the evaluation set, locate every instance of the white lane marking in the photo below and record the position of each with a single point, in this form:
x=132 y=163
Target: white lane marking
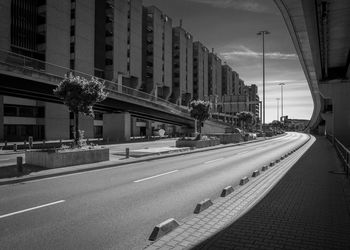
x=155 y=176
x=32 y=208
x=208 y=162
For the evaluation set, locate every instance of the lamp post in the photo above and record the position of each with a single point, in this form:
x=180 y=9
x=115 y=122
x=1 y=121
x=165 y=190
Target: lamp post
x=282 y=84
x=278 y=111
x=263 y=33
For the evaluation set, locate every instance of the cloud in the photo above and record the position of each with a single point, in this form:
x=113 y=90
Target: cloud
x=247 y=5
x=243 y=51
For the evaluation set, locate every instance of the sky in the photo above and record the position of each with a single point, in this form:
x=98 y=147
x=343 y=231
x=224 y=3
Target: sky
x=230 y=27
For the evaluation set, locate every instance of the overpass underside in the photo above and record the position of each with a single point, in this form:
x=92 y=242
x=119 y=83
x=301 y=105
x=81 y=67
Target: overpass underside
x=320 y=31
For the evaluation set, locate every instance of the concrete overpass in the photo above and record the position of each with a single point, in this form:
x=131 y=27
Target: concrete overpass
x=25 y=77
x=320 y=31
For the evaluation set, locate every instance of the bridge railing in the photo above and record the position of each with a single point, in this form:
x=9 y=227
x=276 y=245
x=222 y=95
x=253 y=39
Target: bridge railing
x=10 y=61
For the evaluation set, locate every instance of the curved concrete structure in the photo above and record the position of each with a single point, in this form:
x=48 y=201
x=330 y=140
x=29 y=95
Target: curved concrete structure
x=320 y=32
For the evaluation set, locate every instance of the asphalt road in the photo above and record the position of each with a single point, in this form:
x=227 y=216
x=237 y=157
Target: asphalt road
x=117 y=208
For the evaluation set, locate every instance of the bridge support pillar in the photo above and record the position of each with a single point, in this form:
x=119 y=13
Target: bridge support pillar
x=117 y=127
x=338 y=119
x=149 y=128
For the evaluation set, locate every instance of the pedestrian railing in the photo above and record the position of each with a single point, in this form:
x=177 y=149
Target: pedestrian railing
x=343 y=152
x=53 y=73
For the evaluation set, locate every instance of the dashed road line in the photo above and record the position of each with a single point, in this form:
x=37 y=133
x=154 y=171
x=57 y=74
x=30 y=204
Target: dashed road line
x=155 y=176
x=30 y=209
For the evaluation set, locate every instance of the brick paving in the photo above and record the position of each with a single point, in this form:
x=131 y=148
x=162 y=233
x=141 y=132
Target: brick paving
x=197 y=228
x=297 y=204
x=308 y=209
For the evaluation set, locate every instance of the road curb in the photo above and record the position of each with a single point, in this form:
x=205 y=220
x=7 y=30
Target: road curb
x=163 y=228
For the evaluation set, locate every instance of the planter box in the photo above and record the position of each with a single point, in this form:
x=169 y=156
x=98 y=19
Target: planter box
x=228 y=138
x=198 y=143
x=58 y=159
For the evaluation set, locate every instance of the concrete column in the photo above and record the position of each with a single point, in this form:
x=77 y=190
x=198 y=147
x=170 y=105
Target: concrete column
x=86 y=123
x=339 y=92
x=116 y=127
x=1 y=118
x=56 y=121
x=148 y=128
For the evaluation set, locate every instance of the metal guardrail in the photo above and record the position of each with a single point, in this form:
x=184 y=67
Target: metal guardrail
x=10 y=61
x=343 y=152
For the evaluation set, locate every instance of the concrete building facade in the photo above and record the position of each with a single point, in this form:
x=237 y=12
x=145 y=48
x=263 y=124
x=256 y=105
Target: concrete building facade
x=157 y=53
x=253 y=99
x=214 y=75
x=118 y=38
x=227 y=83
x=182 y=66
x=200 y=71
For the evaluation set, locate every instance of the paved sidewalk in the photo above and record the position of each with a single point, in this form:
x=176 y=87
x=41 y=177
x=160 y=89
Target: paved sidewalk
x=309 y=208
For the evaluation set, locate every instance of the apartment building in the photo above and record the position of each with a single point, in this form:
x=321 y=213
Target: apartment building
x=214 y=75
x=235 y=83
x=200 y=71
x=227 y=85
x=118 y=41
x=182 y=66
x=253 y=99
x=101 y=38
x=157 y=53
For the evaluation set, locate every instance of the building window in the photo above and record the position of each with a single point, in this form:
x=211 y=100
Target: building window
x=24 y=111
x=98 y=131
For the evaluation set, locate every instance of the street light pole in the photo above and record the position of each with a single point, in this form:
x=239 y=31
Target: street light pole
x=263 y=33
x=282 y=84
x=278 y=111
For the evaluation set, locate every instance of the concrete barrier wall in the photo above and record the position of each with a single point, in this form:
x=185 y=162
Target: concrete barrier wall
x=53 y=159
x=198 y=143
x=227 y=138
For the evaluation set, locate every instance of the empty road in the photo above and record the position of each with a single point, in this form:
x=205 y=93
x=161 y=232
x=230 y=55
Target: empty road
x=117 y=208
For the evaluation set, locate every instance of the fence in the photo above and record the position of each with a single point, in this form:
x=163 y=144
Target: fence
x=343 y=152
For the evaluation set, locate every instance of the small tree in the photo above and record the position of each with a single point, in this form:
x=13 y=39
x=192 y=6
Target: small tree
x=79 y=95
x=276 y=124
x=245 y=118
x=199 y=110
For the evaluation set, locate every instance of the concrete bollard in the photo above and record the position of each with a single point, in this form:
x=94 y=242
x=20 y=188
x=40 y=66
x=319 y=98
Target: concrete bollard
x=20 y=164
x=127 y=152
x=244 y=181
x=201 y=206
x=226 y=191
x=163 y=228
x=256 y=173
x=15 y=147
